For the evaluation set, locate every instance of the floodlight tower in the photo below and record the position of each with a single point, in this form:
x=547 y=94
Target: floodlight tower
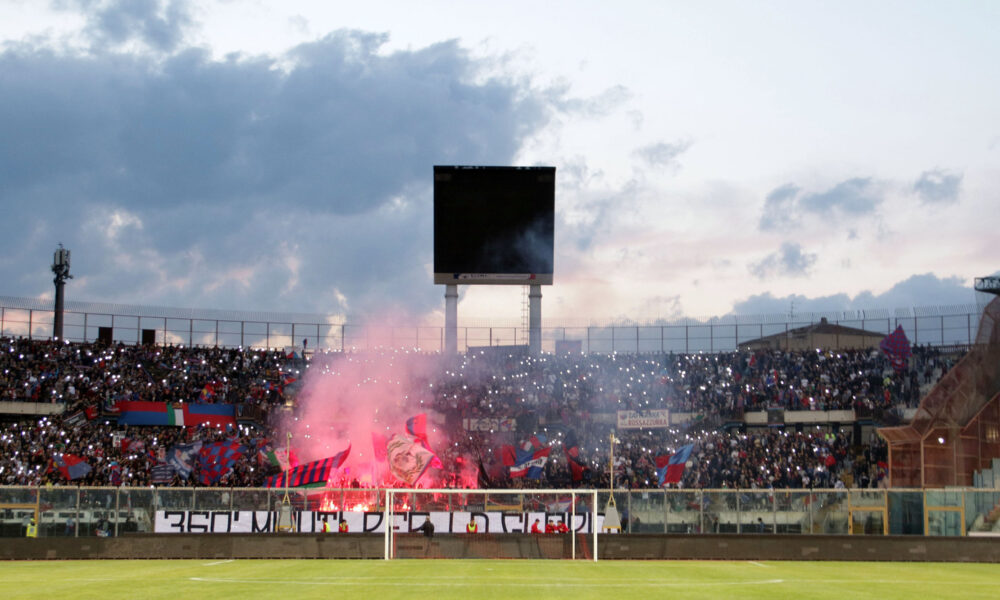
x=60 y=266
x=989 y=285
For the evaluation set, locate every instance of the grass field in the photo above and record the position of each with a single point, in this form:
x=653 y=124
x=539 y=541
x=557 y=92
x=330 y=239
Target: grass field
x=468 y=579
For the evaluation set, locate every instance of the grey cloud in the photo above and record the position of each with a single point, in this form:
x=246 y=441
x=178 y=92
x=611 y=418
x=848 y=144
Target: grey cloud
x=785 y=205
x=160 y=24
x=924 y=289
x=237 y=166
x=856 y=196
x=662 y=154
x=779 y=208
x=938 y=186
x=788 y=261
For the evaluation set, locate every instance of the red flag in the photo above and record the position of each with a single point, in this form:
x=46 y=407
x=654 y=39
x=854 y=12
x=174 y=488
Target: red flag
x=379 y=443
x=417 y=427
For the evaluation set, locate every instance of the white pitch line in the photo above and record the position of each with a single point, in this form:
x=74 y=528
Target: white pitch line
x=219 y=562
x=589 y=583
x=755 y=563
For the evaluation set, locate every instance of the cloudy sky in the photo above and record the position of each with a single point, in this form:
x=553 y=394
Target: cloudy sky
x=711 y=157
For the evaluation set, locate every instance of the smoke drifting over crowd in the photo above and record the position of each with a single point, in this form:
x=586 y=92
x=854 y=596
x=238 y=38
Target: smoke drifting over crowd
x=361 y=401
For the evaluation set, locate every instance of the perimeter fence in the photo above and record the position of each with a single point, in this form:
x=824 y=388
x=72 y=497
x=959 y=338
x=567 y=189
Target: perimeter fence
x=110 y=512
x=131 y=324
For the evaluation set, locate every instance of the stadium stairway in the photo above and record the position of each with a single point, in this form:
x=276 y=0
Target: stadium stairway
x=987 y=504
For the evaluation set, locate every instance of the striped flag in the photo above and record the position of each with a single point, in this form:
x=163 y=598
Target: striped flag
x=314 y=474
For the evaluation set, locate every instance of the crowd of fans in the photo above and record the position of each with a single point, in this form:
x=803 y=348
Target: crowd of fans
x=551 y=396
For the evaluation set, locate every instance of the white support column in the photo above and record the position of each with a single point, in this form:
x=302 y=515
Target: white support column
x=572 y=524
x=450 y=319
x=535 y=320
x=594 y=517
x=388 y=521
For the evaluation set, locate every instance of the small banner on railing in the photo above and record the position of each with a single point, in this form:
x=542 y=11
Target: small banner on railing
x=644 y=419
x=489 y=424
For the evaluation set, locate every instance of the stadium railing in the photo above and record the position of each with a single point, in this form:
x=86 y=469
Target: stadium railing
x=91 y=511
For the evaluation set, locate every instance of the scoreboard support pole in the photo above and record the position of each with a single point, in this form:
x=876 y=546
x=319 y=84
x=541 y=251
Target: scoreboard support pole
x=534 y=320
x=450 y=319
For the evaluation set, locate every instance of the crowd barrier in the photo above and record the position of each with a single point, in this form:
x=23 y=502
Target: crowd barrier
x=526 y=546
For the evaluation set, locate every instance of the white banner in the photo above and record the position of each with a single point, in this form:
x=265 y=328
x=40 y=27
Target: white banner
x=644 y=419
x=262 y=521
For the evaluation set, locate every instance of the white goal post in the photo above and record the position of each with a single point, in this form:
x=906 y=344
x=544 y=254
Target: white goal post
x=496 y=513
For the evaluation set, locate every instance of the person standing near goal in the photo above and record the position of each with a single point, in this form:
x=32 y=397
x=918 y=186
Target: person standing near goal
x=427 y=528
x=472 y=527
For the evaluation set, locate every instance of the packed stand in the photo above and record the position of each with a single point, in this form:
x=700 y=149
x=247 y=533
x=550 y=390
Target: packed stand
x=556 y=397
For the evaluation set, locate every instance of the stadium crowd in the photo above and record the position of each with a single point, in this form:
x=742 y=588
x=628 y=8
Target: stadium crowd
x=553 y=396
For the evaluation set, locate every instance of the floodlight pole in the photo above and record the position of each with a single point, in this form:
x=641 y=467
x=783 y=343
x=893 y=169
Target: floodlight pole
x=60 y=267
x=611 y=468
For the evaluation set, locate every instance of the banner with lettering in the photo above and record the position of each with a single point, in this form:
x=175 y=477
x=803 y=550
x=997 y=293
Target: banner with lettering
x=262 y=521
x=644 y=419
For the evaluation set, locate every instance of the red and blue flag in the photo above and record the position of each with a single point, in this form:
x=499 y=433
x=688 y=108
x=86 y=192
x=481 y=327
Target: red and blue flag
x=71 y=466
x=669 y=469
x=217 y=459
x=897 y=347
x=531 y=465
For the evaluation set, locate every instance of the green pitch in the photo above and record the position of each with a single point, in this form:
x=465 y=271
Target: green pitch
x=468 y=579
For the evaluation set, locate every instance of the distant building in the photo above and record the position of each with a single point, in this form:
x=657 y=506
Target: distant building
x=823 y=335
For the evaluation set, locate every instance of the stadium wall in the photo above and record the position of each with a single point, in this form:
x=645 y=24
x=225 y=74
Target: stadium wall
x=525 y=546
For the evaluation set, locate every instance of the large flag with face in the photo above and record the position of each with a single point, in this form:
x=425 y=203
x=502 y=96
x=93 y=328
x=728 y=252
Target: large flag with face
x=182 y=456
x=897 y=348
x=72 y=467
x=669 y=469
x=408 y=459
x=313 y=474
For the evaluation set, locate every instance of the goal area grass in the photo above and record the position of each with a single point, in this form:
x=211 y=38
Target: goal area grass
x=470 y=579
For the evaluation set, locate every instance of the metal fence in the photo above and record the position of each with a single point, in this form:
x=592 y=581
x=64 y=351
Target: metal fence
x=86 y=322
x=85 y=511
